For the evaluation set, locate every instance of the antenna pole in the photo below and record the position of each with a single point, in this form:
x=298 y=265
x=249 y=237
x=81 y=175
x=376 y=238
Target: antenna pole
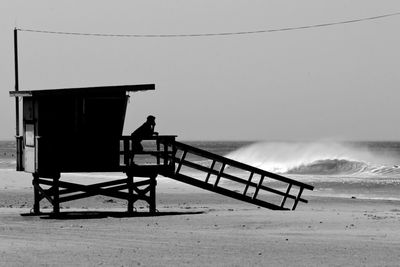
x=16 y=81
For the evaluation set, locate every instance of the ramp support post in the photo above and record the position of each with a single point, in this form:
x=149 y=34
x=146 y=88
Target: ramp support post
x=152 y=195
x=51 y=194
x=130 y=192
x=36 y=194
x=143 y=189
x=56 y=196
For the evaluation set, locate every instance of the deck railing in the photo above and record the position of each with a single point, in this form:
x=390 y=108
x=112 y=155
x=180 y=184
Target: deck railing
x=160 y=149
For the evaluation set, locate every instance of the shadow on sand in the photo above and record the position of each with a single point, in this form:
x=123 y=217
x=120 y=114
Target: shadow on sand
x=75 y=215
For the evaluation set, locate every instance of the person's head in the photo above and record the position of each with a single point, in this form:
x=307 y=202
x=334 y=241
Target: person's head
x=151 y=119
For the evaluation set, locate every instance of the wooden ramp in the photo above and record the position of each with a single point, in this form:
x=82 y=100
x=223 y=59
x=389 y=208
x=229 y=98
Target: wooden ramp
x=231 y=178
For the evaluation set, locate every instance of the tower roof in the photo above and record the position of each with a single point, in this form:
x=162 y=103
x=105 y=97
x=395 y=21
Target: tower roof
x=84 y=90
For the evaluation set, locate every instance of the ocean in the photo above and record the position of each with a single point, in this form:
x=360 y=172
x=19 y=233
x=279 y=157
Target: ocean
x=361 y=170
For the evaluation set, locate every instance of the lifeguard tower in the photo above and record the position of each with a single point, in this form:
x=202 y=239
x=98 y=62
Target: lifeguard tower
x=80 y=130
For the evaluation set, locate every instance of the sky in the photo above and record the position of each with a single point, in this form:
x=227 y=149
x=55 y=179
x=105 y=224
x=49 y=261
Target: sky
x=340 y=82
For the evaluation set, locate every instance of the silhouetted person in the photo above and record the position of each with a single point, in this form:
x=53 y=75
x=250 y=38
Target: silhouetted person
x=143 y=132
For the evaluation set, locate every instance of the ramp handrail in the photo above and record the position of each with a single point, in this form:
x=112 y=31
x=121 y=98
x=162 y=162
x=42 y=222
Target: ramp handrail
x=221 y=173
x=240 y=165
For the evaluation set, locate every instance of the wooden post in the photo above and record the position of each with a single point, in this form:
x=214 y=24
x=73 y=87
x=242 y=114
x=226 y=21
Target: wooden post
x=17 y=132
x=56 y=194
x=19 y=146
x=16 y=81
x=36 y=194
x=130 y=193
x=152 y=195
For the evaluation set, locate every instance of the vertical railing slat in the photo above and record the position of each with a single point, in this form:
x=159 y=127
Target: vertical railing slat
x=221 y=171
x=181 y=161
x=158 y=150
x=173 y=157
x=209 y=173
x=248 y=183
x=165 y=153
x=127 y=152
x=286 y=195
x=258 y=187
x=297 y=198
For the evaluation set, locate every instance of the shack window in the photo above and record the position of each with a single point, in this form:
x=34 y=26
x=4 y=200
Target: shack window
x=30 y=135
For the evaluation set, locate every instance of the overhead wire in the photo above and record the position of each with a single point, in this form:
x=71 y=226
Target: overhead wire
x=212 y=34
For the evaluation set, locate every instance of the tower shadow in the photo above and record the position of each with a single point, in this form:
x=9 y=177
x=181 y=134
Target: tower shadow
x=78 y=215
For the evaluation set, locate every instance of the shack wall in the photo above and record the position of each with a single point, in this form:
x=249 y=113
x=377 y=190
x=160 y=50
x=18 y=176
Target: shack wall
x=74 y=133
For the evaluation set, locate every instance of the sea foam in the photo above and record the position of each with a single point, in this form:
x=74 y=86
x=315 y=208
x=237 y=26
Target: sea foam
x=317 y=158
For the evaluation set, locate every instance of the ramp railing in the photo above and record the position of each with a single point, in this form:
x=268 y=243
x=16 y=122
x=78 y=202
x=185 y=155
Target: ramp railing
x=231 y=178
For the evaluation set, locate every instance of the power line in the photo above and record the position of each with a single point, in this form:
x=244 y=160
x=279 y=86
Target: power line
x=213 y=34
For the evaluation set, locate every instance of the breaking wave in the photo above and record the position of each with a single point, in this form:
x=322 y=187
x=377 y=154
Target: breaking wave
x=318 y=158
x=330 y=166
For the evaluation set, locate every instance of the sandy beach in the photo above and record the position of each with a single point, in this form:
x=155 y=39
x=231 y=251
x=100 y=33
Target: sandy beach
x=196 y=228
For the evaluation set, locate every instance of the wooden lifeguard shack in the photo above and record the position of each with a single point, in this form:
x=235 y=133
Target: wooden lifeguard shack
x=73 y=130
x=80 y=130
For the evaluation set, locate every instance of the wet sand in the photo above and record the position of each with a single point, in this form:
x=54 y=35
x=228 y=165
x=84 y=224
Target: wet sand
x=195 y=228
